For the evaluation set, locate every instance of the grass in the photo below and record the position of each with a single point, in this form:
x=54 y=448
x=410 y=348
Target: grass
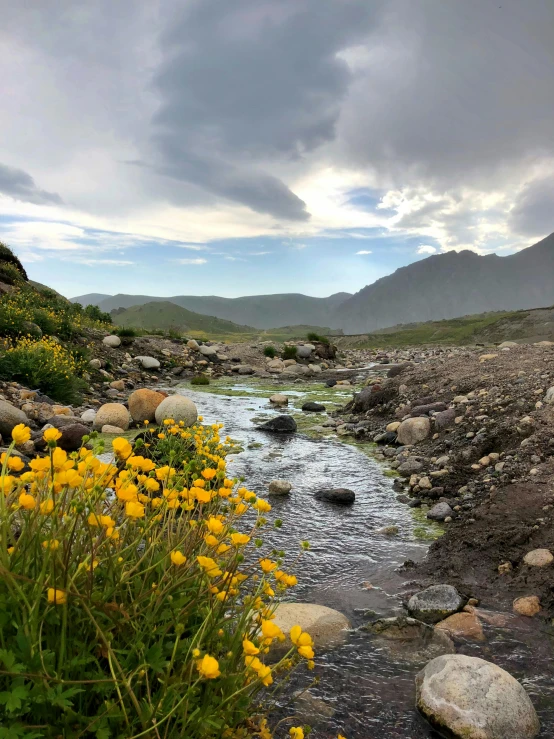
x=269 y=351
x=200 y=380
x=289 y=352
x=312 y=336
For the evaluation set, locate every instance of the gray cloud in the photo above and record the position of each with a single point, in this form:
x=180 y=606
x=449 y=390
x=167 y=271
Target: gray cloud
x=533 y=211
x=17 y=184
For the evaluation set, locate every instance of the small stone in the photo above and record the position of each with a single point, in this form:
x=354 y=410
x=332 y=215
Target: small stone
x=435 y=603
x=148 y=363
x=336 y=495
x=108 y=429
x=112 y=341
x=312 y=407
x=393 y=426
x=465 y=625
x=538 y=558
x=527 y=606
x=117 y=385
x=440 y=512
x=504 y=568
x=279 y=487
x=279 y=399
x=388 y=530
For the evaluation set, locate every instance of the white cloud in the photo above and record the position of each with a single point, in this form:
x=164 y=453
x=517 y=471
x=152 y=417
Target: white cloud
x=364 y=251
x=112 y=262
x=258 y=253
x=426 y=249
x=190 y=261
x=193 y=247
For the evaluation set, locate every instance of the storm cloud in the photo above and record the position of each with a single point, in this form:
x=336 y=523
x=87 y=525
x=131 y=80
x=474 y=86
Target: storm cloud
x=19 y=185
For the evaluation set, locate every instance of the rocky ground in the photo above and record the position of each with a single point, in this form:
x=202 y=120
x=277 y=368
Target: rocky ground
x=470 y=432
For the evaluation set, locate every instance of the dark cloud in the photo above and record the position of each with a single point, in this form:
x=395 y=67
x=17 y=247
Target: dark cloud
x=533 y=211
x=17 y=184
x=248 y=84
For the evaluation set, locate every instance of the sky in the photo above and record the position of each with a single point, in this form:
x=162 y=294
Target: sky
x=210 y=147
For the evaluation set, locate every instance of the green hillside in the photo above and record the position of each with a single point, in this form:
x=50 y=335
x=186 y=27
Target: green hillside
x=166 y=316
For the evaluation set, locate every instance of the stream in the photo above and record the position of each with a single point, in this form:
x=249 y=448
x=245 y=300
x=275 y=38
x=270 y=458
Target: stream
x=351 y=566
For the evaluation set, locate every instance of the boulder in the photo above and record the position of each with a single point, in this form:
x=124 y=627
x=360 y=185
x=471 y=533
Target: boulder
x=439 y=512
x=276 y=365
x=279 y=487
x=72 y=436
x=312 y=407
x=208 y=351
x=279 y=399
x=109 y=429
x=143 y=404
x=410 y=640
x=193 y=344
x=468 y=698
x=539 y=558
x=465 y=625
x=95 y=364
x=435 y=603
x=336 y=495
x=88 y=416
x=61 y=422
x=327 y=627
x=413 y=430
x=148 y=363
x=178 y=408
x=303 y=352
x=549 y=397
x=112 y=414
x=245 y=369
x=409 y=467
x=315 y=368
x=280 y=425
x=112 y=341
x=444 y=419
x=10 y=417
x=529 y=605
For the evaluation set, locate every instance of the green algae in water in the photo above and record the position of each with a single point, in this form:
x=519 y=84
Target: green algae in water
x=425 y=530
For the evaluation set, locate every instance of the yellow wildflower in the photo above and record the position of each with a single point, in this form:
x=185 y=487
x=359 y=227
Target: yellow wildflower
x=239 y=540
x=178 y=558
x=58 y=597
x=27 y=501
x=134 y=509
x=296 y=732
x=21 y=433
x=52 y=434
x=208 y=667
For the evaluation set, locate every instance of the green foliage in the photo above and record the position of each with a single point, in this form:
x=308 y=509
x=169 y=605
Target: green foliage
x=312 y=336
x=200 y=380
x=289 y=352
x=269 y=351
x=46 y=366
x=95 y=314
x=7 y=257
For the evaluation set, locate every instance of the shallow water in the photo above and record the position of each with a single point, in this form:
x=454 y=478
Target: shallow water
x=372 y=695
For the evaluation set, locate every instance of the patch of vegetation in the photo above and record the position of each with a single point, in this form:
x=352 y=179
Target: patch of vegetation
x=200 y=380
x=269 y=351
x=126 y=332
x=44 y=365
x=318 y=338
x=289 y=352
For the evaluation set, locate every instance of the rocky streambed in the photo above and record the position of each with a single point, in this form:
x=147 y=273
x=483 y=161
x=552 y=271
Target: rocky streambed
x=365 y=685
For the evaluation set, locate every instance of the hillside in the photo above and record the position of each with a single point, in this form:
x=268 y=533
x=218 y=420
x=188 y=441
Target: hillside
x=166 y=316
x=453 y=284
x=259 y=311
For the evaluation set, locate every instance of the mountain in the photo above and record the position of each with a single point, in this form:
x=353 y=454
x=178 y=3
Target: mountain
x=452 y=285
x=259 y=311
x=165 y=315
x=91 y=299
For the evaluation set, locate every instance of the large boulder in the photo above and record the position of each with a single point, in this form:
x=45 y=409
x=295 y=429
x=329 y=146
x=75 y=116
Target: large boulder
x=10 y=417
x=178 y=408
x=112 y=414
x=279 y=399
x=280 y=425
x=413 y=430
x=143 y=404
x=304 y=352
x=410 y=640
x=327 y=627
x=112 y=341
x=435 y=603
x=469 y=698
x=148 y=363
x=336 y=495
x=208 y=351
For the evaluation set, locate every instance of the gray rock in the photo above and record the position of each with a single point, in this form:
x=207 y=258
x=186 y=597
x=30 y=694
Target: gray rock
x=245 y=369
x=148 y=362
x=549 y=397
x=280 y=425
x=413 y=430
x=10 y=417
x=178 y=408
x=468 y=698
x=425 y=410
x=313 y=407
x=336 y=495
x=444 y=419
x=303 y=352
x=62 y=421
x=435 y=603
x=88 y=416
x=109 y=429
x=410 y=467
x=410 y=640
x=439 y=512
x=208 y=351
x=95 y=364
x=72 y=436
x=279 y=487
x=112 y=341
x=193 y=344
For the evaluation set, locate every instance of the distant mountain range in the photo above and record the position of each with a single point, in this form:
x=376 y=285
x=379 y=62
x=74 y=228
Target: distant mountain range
x=165 y=315
x=439 y=287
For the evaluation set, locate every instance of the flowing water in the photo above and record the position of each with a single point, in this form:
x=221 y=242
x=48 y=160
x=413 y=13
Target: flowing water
x=369 y=693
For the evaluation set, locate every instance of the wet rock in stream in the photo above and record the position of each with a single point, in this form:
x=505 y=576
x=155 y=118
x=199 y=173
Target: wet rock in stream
x=410 y=640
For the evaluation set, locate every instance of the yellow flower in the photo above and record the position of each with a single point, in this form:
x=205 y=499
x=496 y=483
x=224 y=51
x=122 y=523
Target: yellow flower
x=267 y=565
x=249 y=647
x=52 y=434
x=340 y=736
x=208 y=667
x=272 y=631
x=239 y=540
x=134 y=509
x=296 y=732
x=262 y=505
x=214 y=525
x=178 y=558
x=209 y=474
x=211 y=540
x=202 y=496
x=122 y=448
x=209 y=566
x=53 y=545
x=27 y=501
x=21 y=433
x=58 y=597
x=47 y=506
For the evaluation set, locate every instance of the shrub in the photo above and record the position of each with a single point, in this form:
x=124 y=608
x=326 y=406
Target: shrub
x=7 y=256
x=93 y=312
x=269 y=351
x=146 y=612
x=289 y=352
x=200 y=380
x=123 y=331
x=45 y=365
x=317 y=337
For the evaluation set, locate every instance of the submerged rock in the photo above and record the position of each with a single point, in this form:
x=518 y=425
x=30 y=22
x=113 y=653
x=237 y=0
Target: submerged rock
x=313 y=407
x=280 y=425
x=279 y=487
x=409 y=639
x=336 y=495
x=327 y=627
x=435 y=603
x=279 y=399
x=469 y=698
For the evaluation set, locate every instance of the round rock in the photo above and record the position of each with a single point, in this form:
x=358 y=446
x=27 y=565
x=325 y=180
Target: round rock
x=279 y=487
x=148 y=363
x=143 y=404
x=336 y=495
x=88 y=416
x=10 y=417
x=413 y=430
x=435 y=603
x=72 y=436
x=112 y=414
x=410 y=640
x=439 y=512
x=303 y=352
x=112 y=341
x=178 y=408
x=539 y=558
x=469 y=698
x=279 y=399
x=109 y=429
x=529 y=606
x=280 y=425
x=327 y=627
x=312 y=407
x=207 y=351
